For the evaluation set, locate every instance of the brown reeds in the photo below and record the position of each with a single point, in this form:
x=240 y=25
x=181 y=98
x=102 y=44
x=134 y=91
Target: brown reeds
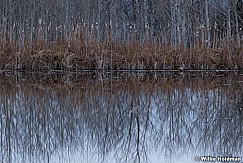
x=77 y=56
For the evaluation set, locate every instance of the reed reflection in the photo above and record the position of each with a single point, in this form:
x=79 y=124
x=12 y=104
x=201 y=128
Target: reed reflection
x=123 y=116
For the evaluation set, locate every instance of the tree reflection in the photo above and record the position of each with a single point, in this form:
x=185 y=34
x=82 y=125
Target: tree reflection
x=125 y=116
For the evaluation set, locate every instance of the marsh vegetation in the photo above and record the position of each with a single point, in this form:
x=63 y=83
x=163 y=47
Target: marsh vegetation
x=76 y=56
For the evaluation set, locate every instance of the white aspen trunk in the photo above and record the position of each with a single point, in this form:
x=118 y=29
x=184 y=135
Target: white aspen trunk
x=32 y=19
x=228 y=22
x=184 y=26
x=99 y=21
x=10 y=20
x=173 y=24
x=178 y=21
x=229 y=36
x=135 y=19
x=237 y=25
x=67 y=18
x=141 y=24
x=124 y=22
x=113 y=21
x=207 y=24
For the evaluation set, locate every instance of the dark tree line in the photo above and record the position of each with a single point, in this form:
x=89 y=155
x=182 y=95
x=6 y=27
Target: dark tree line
x=173 y=22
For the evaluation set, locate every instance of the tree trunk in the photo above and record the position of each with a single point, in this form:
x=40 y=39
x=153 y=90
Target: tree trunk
x=207 y=24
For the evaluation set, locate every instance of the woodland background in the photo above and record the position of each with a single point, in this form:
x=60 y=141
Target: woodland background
x=106 y=34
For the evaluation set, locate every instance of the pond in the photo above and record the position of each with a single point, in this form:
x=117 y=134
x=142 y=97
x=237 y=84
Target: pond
x=124 y=117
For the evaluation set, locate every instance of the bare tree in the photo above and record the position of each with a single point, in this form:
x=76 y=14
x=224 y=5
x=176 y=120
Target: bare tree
x=171 y=22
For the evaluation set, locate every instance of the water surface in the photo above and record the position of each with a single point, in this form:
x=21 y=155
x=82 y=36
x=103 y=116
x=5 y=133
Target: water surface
x=120 y=118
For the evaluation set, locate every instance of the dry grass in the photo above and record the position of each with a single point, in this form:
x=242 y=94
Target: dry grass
x=76 y=56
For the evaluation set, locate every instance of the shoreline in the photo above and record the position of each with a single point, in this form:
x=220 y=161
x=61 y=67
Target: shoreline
x=119 y=71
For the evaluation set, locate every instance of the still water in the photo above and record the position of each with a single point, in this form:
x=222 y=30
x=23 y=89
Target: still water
x=120 y=118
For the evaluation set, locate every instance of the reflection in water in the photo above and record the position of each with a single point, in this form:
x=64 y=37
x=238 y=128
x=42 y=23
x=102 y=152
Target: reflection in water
x=119 y=117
